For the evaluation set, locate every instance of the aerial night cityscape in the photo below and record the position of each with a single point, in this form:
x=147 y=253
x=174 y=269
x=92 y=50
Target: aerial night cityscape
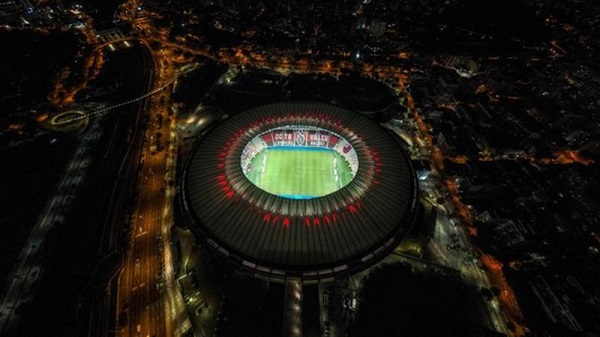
x=314 y=168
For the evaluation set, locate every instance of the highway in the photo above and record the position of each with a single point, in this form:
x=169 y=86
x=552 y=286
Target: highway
x=27 y=270
x=102 y=318
x=147 y=275
x=69 y=120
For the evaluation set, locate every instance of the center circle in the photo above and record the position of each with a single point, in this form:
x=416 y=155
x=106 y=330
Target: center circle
x=299 y=162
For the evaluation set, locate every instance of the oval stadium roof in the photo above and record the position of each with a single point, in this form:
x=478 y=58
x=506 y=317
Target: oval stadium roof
x=305 y=239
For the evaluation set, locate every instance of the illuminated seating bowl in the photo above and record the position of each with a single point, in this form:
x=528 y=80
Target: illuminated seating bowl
x=302 y=191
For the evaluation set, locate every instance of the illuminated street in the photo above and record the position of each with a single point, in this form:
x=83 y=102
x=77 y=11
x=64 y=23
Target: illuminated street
x=147 y=295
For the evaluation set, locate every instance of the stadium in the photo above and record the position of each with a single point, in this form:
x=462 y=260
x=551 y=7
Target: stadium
x=299 y=191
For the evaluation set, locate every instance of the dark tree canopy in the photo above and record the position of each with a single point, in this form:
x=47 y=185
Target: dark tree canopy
x=394 y=301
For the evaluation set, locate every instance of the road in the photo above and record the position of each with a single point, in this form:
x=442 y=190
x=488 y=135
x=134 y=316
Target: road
x=449 y=234
x=147 y=275
x=86 y=116
x=452 y=248
x=102 y=318
x=27 y=270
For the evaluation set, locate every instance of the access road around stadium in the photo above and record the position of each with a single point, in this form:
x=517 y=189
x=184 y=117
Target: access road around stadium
x=451 y=245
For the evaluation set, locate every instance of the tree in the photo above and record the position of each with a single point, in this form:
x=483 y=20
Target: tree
x=394 y=301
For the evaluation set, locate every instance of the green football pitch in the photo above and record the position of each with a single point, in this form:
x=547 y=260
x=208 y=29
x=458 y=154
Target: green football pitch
x=298 y=173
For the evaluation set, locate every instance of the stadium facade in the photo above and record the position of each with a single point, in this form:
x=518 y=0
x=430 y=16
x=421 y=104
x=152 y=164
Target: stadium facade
x=299 y=231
